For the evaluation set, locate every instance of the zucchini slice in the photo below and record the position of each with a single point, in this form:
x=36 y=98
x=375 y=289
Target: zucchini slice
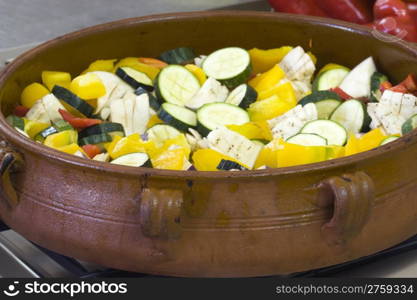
x=41 y=136
x=137 y=159
x=319 y=96
x=107 y=127
x=389 y=140
x=62 y=125
x=95 y=139
x=352 y=115
x=16 y=121
x=409 y=125
x=330 y=79
x=135 y=78
x=326 y=102
x=177 y=116
x=376 y=80
x=244 y=95
x=215 y=115
x=176 y=85
x=231 y=66
x=227 y=165
x=159 y=133
x=333 y=132
x=73 y=100
x=307 y=139
x=178 y=56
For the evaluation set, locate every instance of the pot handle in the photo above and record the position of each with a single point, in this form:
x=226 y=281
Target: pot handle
x=10 y=160
x=352 y=196
x=160 y=213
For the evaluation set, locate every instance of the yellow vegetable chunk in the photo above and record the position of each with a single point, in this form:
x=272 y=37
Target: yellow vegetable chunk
x=61 y=139
x=109 y=146
x=134 y=63
x=180 y=141
x=253 y=130
x=371 y=140
x=263 y=60
x=32 y=128
x=294 y=155
x=209 y=159
x=32 y=93
x=72 y=149
x=51 y=78
x=105 y=65
x=313 y=57
x=174 y=159
x=352 y=146
x=88 y=86
x=127 y=145
x=153 y=120
x=267 y=157
x=283 y=91
x=335 y=152
x=268 y=109
x=197 y=72
x=332 y=66
x=268 y=79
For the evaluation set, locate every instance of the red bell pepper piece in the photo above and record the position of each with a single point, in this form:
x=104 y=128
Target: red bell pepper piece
x=355 y=11
x=91 y=150
x=393 y=17
x=20 y=111
x=302 y=7
x=408 y=85
x=153 y=62
x=342 y=94
x=78 y=123
x=412 y=8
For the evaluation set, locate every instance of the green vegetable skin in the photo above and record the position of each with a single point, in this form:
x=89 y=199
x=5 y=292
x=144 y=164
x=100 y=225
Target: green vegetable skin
x=180 y=99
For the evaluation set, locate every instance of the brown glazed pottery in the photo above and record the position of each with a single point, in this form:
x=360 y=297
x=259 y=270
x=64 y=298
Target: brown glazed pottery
x=218 y=224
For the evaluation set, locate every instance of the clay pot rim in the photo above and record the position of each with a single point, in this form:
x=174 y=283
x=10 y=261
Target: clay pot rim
x=12 y=135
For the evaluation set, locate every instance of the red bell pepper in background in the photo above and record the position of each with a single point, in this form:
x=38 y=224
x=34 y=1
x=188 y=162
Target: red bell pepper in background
x=302 y=7
x=91 y=150
x=412 y=8
x=78 y=123
x=393 y=17
x=355 y=11
x=20 y=111
x=409 y=85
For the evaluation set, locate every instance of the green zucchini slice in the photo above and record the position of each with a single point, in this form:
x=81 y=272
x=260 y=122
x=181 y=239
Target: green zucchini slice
x=333 y=132
x=135 y=78
x=177 y=116
x=243 y=95
x=178 y=56
x=73 y=100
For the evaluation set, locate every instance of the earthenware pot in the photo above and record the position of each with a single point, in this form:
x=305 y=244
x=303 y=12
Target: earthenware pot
x=219 y=224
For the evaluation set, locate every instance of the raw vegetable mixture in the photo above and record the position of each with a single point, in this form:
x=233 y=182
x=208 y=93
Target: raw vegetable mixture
x=231 y=110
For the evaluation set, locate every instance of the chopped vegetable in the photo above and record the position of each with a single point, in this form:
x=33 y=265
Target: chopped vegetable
x=76 y=122
x=263 y=60
x=91 y=150
x=52 y=78
x=88 y=86
x=32 y=93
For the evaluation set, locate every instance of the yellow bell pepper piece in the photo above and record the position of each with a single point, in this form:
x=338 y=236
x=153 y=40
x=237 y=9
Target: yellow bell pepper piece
x=134 y=63
x=283 y=91
x=130 y=144
x=153 y=120
x=332 y=66
x=352 y=146
x=294 y=155
x=263 y=60
x=174 y=159
x=180 y=141
x=109 y=146
x=312 y=56
x=88 y=86
x=71 y=149
x=51 y=78
x=335 y=152
x=106 y=65
x=32 y=128
x=268 y=79
x=61 y=139
x=371 y=140
x=198 y=72
x=253 y=130
x=268 y=109
x=209 y=159
x=267 y=157
x=32 y=93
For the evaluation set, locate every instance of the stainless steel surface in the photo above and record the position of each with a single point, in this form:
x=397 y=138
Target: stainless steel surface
x=17 y=255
